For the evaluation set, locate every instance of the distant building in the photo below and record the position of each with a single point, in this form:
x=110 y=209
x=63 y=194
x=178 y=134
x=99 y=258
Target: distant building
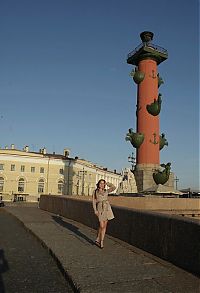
x=128 y=184
x=25 y=175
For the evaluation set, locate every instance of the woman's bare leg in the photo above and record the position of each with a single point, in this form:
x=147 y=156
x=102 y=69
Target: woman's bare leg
x=98 y=235
x=99 y=232
x=103 y=232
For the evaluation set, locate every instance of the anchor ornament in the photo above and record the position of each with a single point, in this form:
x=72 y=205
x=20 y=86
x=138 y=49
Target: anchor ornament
x=153 y=75
x=154 y=140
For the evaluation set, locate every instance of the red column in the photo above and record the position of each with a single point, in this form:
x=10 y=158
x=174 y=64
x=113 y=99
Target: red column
x=148 y=152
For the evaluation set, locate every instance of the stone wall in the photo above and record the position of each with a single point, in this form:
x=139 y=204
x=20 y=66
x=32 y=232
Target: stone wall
x=153 y=203
x=171 y=238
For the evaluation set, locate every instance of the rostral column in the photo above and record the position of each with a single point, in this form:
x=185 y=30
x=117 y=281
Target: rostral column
x=147 y=139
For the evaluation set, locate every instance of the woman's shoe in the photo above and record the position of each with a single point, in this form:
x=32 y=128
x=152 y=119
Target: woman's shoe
x=97 y=243
x=101 y=244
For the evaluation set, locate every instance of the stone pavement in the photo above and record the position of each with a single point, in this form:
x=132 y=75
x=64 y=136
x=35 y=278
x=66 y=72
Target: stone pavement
x=119 y=267
x=23 y=261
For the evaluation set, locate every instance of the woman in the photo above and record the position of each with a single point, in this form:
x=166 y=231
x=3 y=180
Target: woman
x=102 y=208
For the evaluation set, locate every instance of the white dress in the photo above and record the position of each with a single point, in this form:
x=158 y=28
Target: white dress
x=101 y=204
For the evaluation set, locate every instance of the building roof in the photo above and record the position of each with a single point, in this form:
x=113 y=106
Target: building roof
x=42 y=154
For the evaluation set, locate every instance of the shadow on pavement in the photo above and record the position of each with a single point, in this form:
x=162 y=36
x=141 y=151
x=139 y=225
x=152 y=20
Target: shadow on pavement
x=3 y=268
x=72 y=228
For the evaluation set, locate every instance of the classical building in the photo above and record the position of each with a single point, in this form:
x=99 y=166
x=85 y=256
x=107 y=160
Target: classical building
x=25 y=175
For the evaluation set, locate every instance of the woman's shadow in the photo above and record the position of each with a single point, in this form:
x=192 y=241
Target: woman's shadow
x=3 y=268
x=72 y=228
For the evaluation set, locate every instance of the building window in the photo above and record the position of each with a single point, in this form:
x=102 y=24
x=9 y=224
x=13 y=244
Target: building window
x=1 y=166
x=1 y=183
x=41 y=186
x=41 y=170
x=61 y=171
x=60 y=187
x=21 y=185
x=32 y=169
x=12 y=168
x=22 y=168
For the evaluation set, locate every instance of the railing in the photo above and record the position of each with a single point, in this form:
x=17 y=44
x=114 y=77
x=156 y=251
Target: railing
x=150 y=45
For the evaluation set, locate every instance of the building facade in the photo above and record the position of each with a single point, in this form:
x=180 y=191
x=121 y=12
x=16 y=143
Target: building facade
x=25 y=175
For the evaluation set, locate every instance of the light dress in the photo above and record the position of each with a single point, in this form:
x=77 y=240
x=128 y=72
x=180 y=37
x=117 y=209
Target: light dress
x=101 y=204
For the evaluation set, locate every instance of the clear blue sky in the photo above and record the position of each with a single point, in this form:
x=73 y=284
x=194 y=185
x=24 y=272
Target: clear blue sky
x=64 y=80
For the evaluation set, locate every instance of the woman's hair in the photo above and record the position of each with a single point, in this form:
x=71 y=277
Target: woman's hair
x=99 y=182
x=95 y=192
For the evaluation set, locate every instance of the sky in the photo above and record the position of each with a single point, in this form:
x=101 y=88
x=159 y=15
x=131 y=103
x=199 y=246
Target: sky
x=65 y=83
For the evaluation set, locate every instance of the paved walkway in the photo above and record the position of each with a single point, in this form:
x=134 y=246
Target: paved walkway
x=119 y=267
x=23 y=261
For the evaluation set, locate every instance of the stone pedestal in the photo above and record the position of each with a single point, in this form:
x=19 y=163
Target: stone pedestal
x=144 y=177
